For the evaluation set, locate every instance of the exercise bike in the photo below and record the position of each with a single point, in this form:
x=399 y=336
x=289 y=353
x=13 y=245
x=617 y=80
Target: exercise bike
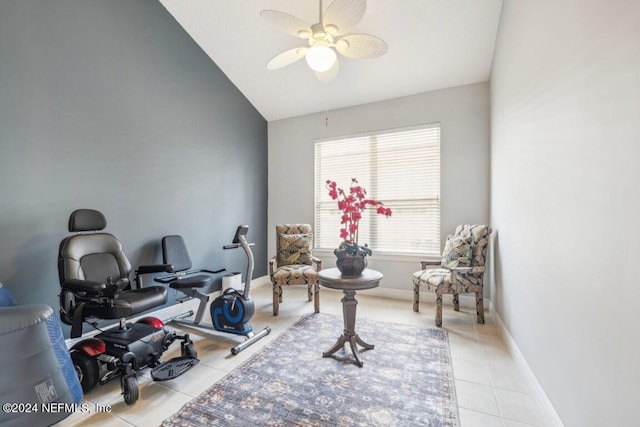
x=231 y=312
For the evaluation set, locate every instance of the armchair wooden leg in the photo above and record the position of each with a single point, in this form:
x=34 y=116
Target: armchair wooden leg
x=480 y=307
x=309 y=292
x=316 y=297
x=277 y=298
x=456 y=302
x=438 y=309
x=416 y=297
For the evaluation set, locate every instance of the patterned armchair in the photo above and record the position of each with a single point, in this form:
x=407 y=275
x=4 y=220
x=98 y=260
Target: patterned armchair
x=461 y=269
x=293 y=263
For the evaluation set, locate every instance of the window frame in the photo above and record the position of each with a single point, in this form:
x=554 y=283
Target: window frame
x=434 y=248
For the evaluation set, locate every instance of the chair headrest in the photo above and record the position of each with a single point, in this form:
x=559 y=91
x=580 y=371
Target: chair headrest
x=87 y=220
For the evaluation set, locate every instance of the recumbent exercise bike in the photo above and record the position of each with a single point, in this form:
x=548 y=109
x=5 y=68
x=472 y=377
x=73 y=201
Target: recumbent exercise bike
x=231 y=312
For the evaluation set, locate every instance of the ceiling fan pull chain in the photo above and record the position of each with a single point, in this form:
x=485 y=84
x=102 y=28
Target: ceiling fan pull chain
x=326 y=109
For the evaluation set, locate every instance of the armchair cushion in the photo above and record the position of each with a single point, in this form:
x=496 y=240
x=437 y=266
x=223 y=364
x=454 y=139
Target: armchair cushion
x=294 y=263
x=433 y=279
x=294 y=249
x=457 y=252
x=480 y=235
x=295 y=274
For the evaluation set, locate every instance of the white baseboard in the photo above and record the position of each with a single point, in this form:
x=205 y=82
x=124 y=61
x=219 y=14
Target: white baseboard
x=549 y=414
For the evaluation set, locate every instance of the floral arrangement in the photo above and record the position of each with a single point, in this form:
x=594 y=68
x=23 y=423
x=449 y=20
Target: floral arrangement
x=352 y=205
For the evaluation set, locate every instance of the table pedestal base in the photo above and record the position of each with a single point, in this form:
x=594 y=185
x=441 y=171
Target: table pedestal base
x=349 y=304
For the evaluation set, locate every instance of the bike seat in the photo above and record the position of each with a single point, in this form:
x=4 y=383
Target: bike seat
x=199 y=281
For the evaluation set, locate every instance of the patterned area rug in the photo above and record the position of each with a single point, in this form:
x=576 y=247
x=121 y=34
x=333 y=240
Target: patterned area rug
x=406 y=380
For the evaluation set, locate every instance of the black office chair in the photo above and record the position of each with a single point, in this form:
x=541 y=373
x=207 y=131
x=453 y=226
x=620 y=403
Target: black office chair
x=94 y=275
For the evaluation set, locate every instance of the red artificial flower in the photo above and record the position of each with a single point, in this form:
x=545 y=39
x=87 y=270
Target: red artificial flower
x=352 y=206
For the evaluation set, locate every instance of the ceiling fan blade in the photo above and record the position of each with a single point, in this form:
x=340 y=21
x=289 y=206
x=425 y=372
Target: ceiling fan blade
x=287 y=23
x=342 y=15
x=330 y=74
x=361 y=46
x=286 y=58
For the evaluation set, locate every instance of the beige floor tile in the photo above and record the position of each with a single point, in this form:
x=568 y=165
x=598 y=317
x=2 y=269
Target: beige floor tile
x=196 y=380
x=510 y=423
x=477 y=397
x=475 y=372
x=466 y=350
x=507 y=376
x=156 y=403
x=101 y=419
x=488 y=329
x=92 y=417
x=517 y=407
x=495 y=352
x=488 y=383
x=469 y=418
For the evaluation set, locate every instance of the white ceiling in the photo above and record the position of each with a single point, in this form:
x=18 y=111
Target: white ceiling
x=433 y=44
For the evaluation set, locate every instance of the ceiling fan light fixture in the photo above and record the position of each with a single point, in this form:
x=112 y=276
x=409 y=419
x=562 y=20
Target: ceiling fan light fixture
x=342 y=44
x=332 y=29
x=326 y=38
x=321 y=58
x=318 y=31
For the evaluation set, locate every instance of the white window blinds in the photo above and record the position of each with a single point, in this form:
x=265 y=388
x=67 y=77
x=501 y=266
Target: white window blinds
x=401 y=168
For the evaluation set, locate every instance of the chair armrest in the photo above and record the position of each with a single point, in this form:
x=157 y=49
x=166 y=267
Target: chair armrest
x=317 y=262
x=77 y=285
x=157 y=268
x=468 y=270
x=426 y=263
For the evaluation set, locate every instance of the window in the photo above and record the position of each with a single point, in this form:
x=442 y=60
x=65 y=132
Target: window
x=400 y=167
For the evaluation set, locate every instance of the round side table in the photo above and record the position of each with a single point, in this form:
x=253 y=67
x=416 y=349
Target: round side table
x=332 y=278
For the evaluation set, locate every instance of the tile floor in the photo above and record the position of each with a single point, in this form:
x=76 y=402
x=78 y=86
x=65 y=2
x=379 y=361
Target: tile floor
x=490 y=389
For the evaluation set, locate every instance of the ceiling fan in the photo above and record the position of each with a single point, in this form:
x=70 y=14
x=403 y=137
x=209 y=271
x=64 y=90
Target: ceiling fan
x=325 y=36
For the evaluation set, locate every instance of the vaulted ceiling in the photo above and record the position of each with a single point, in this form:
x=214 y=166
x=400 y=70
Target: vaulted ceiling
x=432 y=44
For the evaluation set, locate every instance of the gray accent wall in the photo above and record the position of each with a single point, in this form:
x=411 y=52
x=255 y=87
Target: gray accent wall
x=111 y=105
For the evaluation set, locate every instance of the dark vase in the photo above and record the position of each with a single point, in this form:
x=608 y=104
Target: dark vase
x=350 y=264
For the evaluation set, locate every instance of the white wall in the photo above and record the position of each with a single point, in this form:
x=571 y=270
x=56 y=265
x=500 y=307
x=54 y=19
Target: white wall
x=565 y=147
x=464 y=116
